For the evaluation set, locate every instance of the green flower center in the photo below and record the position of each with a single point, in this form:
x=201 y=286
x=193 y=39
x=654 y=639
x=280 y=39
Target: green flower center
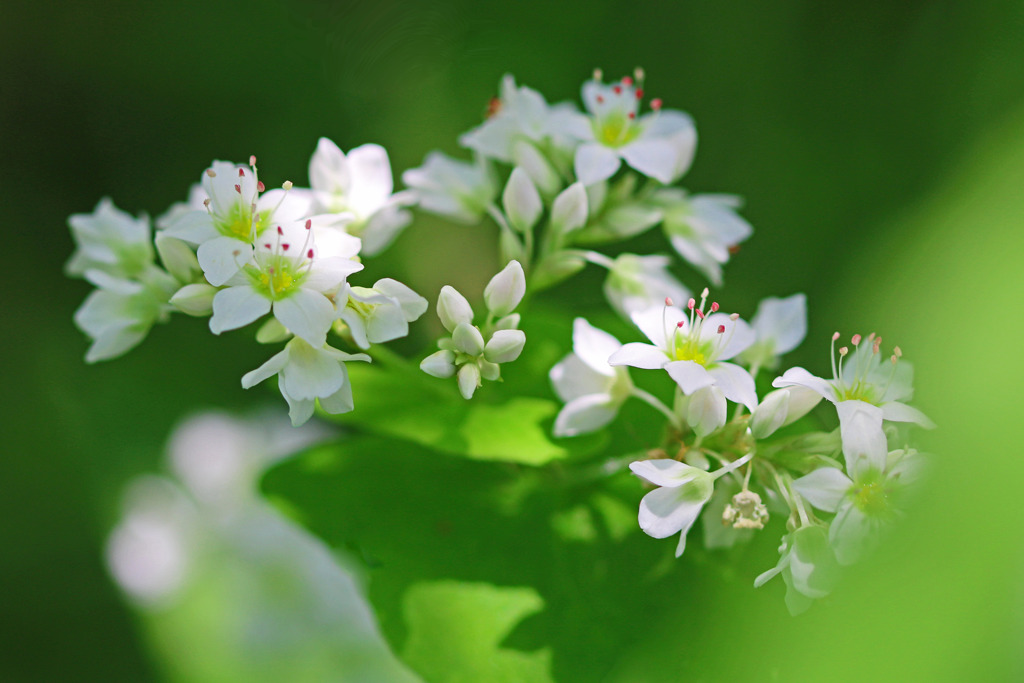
x=688 y=347
x=871 y=498
x=276 y=277
x=240 y=223
x=615 y=129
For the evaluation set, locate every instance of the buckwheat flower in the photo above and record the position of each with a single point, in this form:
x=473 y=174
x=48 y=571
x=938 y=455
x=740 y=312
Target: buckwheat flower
x=520 y=115
x=862 y=376
x=693 y=350
x=117 y=315
x=359 y=184
x=458 y=190
x=381 y=313
x=591 y=389
x=286 y=276
x=807 y=565
x=872 y=491
x=235 y=213
x=111 y=241
x=659 y=144
x=637 y=283
x=703 y=229
x=308 y=374
x=683 y=492
x=779 y=327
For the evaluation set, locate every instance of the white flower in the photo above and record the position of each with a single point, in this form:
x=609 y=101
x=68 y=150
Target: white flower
x=234 y=216
x=637 y=283
x=459 y=190
x=659 y=144
x=703 y=228
x=520 y=115
x=591 y=389
x=807 y=565
x=675 y=506
x=868 y=496
x=779 y=326
x=693 y=350
x=505 y=290
x=863 y=377
x=360 y=184
x=285 y=275
x=111 y=241
x=118 y=314
x=308 y=374
x=381 y=313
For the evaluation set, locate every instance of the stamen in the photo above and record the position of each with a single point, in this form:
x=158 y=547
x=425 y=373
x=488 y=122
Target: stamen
x=721 y=329
x=832 y=353
x=700 y=314
x=627 y=81
x=714 y=306
x=279 y=230
x=287 y=185
x=734 y=317
x=656 y=103
x=668 y=302
x=600 y=99
x=856 y=339
x=211 y=173
x=691 y=303
x=598 y=75
x=632 y=114
x=617 y=89
x=309 y=223
x=238 y=189
x=843 y=351
x=260 y=187
x=241 y=173
x=309 y=254
x=638 y=74
x=284 y=247
x=252 y=160
x=896 y=350
x=639 y=93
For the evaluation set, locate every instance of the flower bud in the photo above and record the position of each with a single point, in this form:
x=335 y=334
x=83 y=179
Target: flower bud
x=770 y=414
x=706 y=410
x=273 y=332
x=440 y=364
x=569 y=211
x=452 y=308
x=521 y=201
x=469 y=380
x=536 y=165
x=490 y=371
x=509 y=322
x=196 y=300
x=179 y=259
x=468 y=339
x=504 y=346
x=506 y=289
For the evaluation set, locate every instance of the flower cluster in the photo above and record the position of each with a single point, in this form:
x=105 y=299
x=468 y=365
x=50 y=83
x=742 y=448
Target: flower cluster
x=236 y=252
x=472 y=353
x=561 y=183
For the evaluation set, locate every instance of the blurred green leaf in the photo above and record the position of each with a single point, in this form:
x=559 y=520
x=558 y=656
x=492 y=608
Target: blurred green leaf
x=456 y=630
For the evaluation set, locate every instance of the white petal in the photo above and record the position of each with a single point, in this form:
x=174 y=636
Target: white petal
x=690 y=376
x=585 y=414
x=664 y=472
x=667 y=511
x=595 y=163
x=852 y=533
x=864 y=444
x=371 y=178
x=738 y=335
x=784 y=321
x=222 y=257
x=639 y=355
x=307 y=314
x=736 y=383
x=653 y=322
x=572 y=378
x=356 y=326
x=299 y=409
x=311 y=372
x=268 y=369
x=341 y=400
x=235 y=307
x=328 y=168
x=593 y=346
x=655 y=158
x=823 y=488
x=812 y=565
x=192 y=226
x=327 y=274
x=386 y=323
x=802 y=378
x=901 y=412
x=114 y=341
x=413 y=305
x=504 y=346
x=681 y=546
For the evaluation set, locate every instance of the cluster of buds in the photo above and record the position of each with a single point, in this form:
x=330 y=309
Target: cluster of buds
x=473 y=353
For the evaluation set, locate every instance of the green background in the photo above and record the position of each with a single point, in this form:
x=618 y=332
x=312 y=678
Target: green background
x=880 y=149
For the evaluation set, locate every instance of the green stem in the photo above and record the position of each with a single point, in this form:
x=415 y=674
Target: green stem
x=653 y=401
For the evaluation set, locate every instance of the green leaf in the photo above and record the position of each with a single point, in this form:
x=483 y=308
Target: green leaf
x=431 y=413
x=456 y=630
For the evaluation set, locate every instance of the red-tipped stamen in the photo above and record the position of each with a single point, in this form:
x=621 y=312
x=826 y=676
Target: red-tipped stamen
x=260 y=187
x=627 y=81
x=238 y=189
x=656 y=103
x=241 y=173
x=721 y=329
x=252 y=159
x=668 y=301
x=691 y=303
x=855 y=339
x=617 y=89
x=309 y=224
x=714 y=306
x=639 y=93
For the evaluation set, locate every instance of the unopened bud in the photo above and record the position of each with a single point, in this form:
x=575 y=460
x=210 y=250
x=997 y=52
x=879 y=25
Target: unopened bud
x=506 y=289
